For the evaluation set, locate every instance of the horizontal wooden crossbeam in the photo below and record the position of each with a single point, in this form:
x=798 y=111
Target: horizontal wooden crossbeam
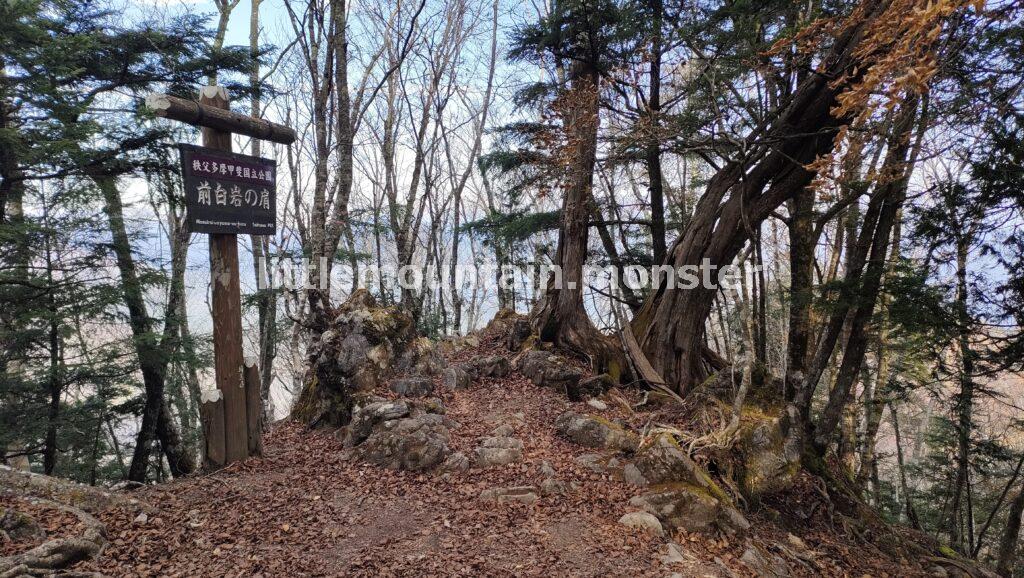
x=194 y=113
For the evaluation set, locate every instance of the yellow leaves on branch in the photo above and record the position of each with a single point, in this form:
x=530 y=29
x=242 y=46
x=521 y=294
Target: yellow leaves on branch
x=897 y=53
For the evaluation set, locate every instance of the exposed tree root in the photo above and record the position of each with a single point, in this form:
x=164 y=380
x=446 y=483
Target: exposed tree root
x=53 y=555
x=26 y=484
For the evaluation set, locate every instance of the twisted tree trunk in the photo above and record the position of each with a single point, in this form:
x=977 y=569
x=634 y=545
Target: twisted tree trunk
x=670 y=326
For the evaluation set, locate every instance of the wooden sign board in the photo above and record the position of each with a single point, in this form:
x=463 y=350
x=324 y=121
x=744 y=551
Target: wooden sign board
x=228 y=193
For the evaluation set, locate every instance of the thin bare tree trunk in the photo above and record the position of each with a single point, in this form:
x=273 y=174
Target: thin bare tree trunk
x=961 y=536
x=153 y=353
x=875 y=392
x=908 y=503
x=454 y=288
x=872 y=248
x=652 y=154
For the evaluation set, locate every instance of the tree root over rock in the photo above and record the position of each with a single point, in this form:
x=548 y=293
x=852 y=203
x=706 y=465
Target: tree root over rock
x=26 y=484
x=52 y=556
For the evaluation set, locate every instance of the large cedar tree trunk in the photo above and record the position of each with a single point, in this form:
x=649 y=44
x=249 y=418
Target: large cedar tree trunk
x=559 y=316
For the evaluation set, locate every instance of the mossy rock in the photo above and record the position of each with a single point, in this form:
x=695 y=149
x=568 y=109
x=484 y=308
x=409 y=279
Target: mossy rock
x=20 y=526
x=596 y=432
x=662 y=460
x=689 y=507
x=766 y=464
x=362 y=347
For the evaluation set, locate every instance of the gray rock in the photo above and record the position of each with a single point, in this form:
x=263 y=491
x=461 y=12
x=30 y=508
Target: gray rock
x=456 y=378
x=503 y=430
x=421 y=357
x=796 y=543
x=552 y=486
x=593 y=432
x=597 y=404
x=764 y=564
x=497 y=451
x=413 y=443
x=548 y=370
x=643 y=521
x=674 y=554
x=457 y=462
x=519 y=332
x=531 y=364
x=590 y=387
x=20 y=526
x=367 y=417
x=769 y=462
x=631 y=475
x=489 y=366
x=602 y=464
x=661 y=460
x=427 y=405
x=355 y=353
x=521 y=494
x=733 y=520
x=546 y=470
x=690 y=508
x=413 y=386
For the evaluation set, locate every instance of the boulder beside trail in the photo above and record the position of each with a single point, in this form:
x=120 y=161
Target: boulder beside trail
x=362 y=346
x=401 y=434
x=662 y=460
x=590 y=387
x=413 y=386
x=488 y=366
x=546 y=369
x=509 y=328
x=421 y=356
x=20 y=526
x=604 y=464
x=690 y=508
x=411 y=443
x=372 y=414
x=768 y=463
x=521 y=494
x=455 y=378
x=643 y=521
x=595 y=432
x=498 y=449
x=519 y=333
x=764 y=563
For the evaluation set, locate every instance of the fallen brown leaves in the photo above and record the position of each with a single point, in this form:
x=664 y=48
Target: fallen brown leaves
x=56 y=523
x=307 y=509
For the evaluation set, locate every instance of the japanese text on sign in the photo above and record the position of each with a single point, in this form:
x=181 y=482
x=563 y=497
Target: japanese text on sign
x=227 y=192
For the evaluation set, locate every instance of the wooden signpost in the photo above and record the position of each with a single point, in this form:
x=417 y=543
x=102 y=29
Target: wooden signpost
x=226 y=195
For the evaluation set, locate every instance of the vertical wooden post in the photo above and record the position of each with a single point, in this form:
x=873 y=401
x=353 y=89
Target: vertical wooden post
x=227 y=308
x=211 y=413
x=254 y=406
